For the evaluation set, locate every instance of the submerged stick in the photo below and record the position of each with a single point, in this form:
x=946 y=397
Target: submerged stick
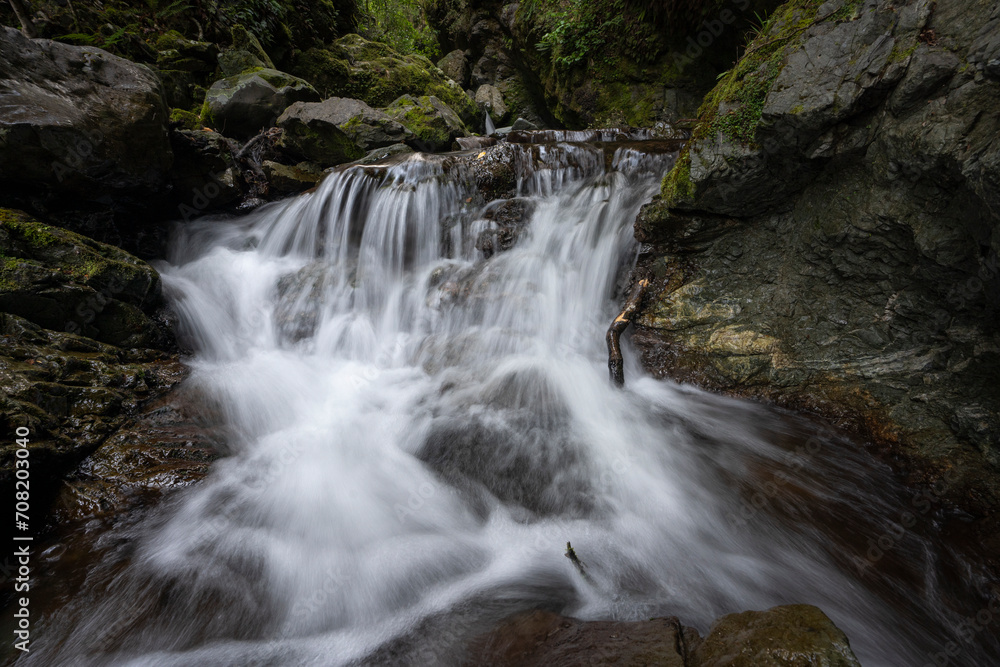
x=571 y=554
x=615 y=362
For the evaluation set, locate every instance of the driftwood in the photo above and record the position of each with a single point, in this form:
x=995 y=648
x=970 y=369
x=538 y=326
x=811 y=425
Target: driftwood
x=615 y=361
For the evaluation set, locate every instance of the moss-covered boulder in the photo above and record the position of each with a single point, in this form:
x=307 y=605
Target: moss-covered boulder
x=797 y=634
x=434 y=125
x=372 y=72
x=455 y=66
x=246 y=53
x=311 y=133
x=367 y=127
x=287 y=179
x=66 y=282
x=244 y=104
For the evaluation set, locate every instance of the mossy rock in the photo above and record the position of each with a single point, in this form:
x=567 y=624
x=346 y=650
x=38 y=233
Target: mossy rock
x=308 y=136
x=434 y=125
x=184 y=120
x=372 y=72
x=64 y=281
x=797 y=634
x=244 y=104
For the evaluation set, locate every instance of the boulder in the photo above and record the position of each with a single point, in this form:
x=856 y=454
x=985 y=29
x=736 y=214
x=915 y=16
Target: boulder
x=796 y=634
x=375 y=74
x=309 y=134
x=433 y=123
x=456 y=67
x=244 y=104
x=489 y=99
x=290 y=179
x=369 y=128
x=246 y=53
x=66 y=282
x=79 y=119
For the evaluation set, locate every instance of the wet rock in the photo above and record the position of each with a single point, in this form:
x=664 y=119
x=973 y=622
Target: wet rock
x=840 y=251
x=522 y=125
x=456 y=67
x=489 y=99
x=495 y=172
x=289 y=179
x=168 y=446
x=311 y=133
x=71 y=392
x=434 y=125
x=787 y=635
x=244 y=104
x=380 y=154
x=546 y=639
x=79 y=121
x=63 y=281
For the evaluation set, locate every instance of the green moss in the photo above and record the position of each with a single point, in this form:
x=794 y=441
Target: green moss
x=184 y=120
x=677 y=185
x=899 y=53
x=734 y=107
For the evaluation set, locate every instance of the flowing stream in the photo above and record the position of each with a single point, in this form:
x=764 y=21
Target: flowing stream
x=417 y=432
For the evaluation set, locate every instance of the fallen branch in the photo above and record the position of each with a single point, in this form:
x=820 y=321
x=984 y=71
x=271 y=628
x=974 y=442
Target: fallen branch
x=580 y=565
x=615 y=361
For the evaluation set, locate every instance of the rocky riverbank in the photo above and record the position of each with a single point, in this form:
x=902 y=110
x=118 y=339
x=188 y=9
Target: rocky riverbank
x=828 y=240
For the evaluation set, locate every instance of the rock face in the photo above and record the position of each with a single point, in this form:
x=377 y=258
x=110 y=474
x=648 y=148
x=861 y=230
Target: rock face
x=433 y=123
x=79 y=120
x=785 y=636
x=244 y=104
x=490 y=100
x=830 y=237
x=311 y=133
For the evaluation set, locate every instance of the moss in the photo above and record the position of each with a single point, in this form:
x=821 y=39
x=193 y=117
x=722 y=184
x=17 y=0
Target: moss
x=734 y=107
x=184 y=120
x=899 y=54
x=677 y=185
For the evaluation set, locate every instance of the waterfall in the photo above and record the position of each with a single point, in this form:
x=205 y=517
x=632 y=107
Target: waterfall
x=490 y=128
x=417 y=431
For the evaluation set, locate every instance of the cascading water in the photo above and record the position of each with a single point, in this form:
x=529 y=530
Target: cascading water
x=418 y=432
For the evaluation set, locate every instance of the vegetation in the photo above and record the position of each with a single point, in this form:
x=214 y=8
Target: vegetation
x=402 y=24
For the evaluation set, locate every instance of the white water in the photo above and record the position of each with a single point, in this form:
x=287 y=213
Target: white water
x=416 y=436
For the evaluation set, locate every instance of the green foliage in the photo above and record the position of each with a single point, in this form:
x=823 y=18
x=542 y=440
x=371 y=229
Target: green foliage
x=402 y=24
x=580 y=32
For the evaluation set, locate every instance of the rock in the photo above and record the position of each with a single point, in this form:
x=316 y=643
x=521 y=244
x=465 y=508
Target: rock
x=433 y=123
x=66 y=282
x=788 y=635
x=356 y=68
x=310 y=133
x=489 y=99
x=244 y=104
x=79 y=120
x=246 y=53
x=545 y=639
x=859 y=166
x=164 y=448
x=288 y=179
x=205 y=175
x=367 y=127
x=380 y=154
x=521 y=125
x=456 y=67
